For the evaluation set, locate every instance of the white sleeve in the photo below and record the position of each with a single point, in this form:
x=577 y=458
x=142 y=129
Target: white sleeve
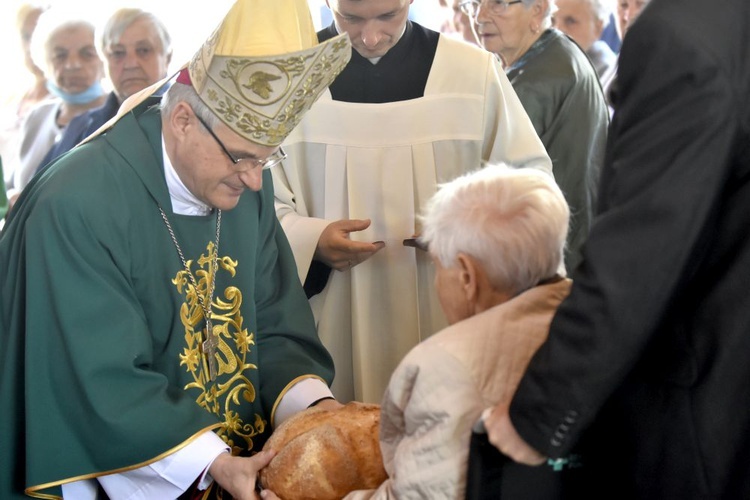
x=302 y=231
x=300 y=396
x=508 y=129
x=166 y=478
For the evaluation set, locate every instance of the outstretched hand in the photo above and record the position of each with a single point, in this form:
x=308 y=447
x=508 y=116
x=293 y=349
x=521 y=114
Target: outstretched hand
x=503 y=435
x=338 y=251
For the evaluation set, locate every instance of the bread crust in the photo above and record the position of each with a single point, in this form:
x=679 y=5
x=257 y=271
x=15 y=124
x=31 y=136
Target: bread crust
x=323 y=455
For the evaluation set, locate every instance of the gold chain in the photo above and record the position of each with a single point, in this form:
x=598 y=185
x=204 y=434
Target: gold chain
x=210 y=343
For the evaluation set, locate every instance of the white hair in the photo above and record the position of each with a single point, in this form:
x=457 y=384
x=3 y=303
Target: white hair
x=512 y=221
x=50 y=23
x=122 y=19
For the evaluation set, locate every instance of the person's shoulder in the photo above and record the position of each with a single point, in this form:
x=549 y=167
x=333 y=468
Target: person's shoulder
x=43 y=109
x=327 y=33
x=83 y=181
x=464 y=60
x=562 y=50
x=560 y=63
x=420 y=31
x=462 y=47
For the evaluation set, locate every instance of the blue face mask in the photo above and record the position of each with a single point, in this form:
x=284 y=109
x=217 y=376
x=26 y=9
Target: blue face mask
x=85 y=97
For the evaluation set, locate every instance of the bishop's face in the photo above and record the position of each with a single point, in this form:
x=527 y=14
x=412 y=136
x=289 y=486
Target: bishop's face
x=374 y=26
x=202 y=161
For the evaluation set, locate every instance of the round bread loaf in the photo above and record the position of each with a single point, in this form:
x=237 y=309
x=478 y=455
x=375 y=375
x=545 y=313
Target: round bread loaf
x=323 y=455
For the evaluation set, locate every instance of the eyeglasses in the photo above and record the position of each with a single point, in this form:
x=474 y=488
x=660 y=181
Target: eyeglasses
x=471 y=7
x=269 y=162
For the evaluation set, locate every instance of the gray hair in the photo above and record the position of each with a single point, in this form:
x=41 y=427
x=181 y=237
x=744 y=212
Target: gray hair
x=122 y=19
x=512 y=221
x=50 y=23
x=551 y=9
x=179 y=92
x=602 y=9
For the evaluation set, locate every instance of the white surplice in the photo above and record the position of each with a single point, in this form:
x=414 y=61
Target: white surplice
x=383 y=162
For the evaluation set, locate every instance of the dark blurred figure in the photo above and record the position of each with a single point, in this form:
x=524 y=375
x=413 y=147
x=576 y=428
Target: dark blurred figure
x=652 y=344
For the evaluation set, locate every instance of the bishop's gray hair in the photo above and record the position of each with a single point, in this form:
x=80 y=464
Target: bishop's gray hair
x=180 y=92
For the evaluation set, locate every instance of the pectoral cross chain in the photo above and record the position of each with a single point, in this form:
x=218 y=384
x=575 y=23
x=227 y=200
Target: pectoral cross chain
x=212 y=342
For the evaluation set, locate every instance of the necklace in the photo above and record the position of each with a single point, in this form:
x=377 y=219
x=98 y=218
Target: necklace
x=211 y=342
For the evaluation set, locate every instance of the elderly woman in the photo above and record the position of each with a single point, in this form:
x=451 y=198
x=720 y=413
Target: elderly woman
x=560 y=91
x=63 y=46
x=137 y=49
x=584 y=21
x=496 y=238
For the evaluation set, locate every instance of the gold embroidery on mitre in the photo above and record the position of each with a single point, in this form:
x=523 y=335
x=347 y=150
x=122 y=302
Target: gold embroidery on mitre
x=223 y=397
x=263 y=99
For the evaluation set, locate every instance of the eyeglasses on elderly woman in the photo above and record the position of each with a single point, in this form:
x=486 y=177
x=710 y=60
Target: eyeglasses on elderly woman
x=471 y=7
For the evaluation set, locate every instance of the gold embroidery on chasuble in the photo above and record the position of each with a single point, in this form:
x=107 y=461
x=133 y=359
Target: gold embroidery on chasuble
x=223 y=397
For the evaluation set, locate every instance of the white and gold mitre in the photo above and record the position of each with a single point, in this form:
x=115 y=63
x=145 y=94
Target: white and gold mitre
x=263 y=68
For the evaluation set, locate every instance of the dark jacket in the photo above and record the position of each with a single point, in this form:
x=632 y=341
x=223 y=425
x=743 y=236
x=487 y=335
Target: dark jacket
x=652 y=345
x=561 y=93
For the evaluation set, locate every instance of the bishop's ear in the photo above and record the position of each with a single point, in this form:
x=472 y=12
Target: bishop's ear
x=182 y=118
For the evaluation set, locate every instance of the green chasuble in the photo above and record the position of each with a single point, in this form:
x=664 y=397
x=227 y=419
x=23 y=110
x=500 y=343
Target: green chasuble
x=100 y=362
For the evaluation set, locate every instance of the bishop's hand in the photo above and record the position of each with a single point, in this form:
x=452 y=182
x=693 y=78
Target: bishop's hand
x=238 y=475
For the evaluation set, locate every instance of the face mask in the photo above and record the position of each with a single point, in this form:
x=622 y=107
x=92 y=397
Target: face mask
x=93 y=92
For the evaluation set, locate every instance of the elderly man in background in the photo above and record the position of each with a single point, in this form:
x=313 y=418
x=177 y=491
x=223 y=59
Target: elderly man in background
x=584 y=21
x=154 y=330
x=412 y=109
x=137 y=48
